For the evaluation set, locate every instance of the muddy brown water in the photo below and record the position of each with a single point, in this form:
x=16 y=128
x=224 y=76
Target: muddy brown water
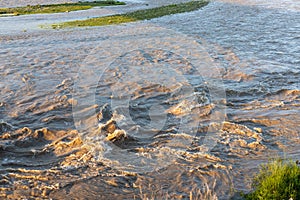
x=184 y=106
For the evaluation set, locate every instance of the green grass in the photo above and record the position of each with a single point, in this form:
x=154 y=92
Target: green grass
x=108 y=20
x=277 y=180
x=56 y=8
x=135 y=16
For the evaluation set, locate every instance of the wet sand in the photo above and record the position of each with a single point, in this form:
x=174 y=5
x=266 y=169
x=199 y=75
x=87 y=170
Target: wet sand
x=184 y=105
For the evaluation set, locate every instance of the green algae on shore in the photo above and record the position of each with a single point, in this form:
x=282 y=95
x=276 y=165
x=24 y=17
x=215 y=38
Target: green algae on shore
x=134 y=16
x=55 y=8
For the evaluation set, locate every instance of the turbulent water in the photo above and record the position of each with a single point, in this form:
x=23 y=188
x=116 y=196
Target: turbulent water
x=181 y=107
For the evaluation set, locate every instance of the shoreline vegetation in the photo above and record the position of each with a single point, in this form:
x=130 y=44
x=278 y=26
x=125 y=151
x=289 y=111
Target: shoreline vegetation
x=56 y=8
x=138 y=15
x=278 y=179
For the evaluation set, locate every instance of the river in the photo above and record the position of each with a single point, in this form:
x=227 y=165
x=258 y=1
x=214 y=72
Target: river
x=179 y=107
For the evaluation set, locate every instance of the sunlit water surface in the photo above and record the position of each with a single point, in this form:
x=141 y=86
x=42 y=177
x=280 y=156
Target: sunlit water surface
x=149 y=109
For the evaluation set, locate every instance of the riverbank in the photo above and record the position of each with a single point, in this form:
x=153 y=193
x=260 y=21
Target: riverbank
x=55 y=8
x=145 y=14
x=18 y=3
x=32 y=23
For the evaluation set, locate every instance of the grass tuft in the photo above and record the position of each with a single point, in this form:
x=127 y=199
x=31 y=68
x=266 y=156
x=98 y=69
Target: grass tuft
x=56 y=8
x=135 y=16
x=276 y=180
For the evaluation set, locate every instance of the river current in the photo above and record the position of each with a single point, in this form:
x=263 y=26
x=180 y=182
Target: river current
x=185 y=106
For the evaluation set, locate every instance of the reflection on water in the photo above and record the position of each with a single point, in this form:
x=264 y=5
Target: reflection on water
x=138 y=110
